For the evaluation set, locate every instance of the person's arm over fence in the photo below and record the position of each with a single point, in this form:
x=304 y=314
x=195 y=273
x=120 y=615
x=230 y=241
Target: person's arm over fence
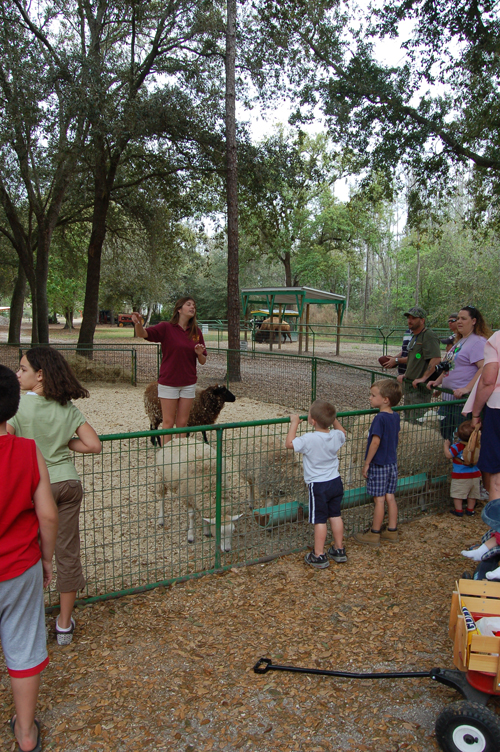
x=484 y=391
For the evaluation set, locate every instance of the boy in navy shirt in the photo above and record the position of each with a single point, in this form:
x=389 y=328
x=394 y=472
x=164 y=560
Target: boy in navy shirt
x=381 y=462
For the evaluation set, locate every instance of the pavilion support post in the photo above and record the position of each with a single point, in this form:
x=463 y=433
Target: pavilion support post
x=339 y=316
x=301 y=329
x=279 y=327
x=271 y=330
x=307 y=328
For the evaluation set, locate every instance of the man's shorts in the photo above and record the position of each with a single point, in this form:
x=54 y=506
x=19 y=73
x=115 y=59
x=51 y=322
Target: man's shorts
x=22 y=623
x=325 y=498
x=175 y=392
x=382 y=479
x=465 y=488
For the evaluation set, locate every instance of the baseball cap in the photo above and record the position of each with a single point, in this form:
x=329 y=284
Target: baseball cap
x=453 y=316
x=419 y=313
x=491 y=514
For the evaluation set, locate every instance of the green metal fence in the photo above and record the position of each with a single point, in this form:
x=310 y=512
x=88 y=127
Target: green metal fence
x=215 y=331
x=248 y=492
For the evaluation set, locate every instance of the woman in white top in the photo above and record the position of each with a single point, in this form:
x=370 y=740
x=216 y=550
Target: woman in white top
x=486 y=399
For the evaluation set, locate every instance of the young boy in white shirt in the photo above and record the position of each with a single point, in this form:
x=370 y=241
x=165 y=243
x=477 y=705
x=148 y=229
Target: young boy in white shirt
x=320 y=462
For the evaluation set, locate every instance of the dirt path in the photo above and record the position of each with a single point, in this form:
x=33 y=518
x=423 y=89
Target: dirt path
x=172 y=669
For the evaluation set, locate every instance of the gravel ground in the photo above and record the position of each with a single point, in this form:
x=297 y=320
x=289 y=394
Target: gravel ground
x=172 y=669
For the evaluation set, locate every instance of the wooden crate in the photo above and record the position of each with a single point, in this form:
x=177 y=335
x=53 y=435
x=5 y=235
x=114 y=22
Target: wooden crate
x=472 y=651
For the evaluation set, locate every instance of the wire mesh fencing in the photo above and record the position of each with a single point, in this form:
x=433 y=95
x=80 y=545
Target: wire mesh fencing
x=292 y=380
x=154 y=515
x=106 y=363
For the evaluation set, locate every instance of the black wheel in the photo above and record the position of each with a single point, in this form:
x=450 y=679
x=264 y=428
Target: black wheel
x=468 y=727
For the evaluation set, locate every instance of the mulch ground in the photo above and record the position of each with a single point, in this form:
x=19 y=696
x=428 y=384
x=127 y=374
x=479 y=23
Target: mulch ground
x=172 y=669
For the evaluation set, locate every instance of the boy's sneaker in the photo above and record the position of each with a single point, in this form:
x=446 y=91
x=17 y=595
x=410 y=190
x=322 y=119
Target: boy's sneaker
x=65 y=638
x=337 y=554
x=320 y=562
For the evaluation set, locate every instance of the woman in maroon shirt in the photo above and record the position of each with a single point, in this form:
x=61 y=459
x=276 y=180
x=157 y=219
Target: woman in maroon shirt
x=182 y=347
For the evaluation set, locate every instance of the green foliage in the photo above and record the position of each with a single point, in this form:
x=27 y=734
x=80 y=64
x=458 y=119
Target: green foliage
x=439 y=106
x=143 y=258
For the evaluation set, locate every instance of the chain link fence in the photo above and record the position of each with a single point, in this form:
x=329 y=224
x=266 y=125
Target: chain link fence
x=246 y=493
x=108 y=363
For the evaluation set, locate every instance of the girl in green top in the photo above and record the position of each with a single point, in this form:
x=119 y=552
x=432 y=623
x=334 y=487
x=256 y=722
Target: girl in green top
x=47 y=415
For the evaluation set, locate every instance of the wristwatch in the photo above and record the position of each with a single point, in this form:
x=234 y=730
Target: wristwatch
x=397 y=360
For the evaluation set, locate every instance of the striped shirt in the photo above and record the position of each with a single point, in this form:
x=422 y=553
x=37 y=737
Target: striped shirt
x=459 y=469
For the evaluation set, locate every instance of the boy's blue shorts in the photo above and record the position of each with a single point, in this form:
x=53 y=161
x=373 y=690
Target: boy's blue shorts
x=382 y=479
x=325 y=498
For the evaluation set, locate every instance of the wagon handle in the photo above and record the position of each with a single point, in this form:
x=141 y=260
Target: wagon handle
x=449 y=677
x=264 y=665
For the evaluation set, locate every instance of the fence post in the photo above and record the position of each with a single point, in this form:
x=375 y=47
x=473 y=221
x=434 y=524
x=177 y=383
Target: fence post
x=218 y=497
x=134 y=367
x=314 y=366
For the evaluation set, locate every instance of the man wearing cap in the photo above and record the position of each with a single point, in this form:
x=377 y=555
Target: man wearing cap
x=423 y=356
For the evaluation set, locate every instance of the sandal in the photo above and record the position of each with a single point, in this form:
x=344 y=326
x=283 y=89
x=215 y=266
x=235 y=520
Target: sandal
x=38 y=745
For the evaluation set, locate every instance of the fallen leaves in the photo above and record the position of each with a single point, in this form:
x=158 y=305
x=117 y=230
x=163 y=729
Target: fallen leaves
x=172 y=670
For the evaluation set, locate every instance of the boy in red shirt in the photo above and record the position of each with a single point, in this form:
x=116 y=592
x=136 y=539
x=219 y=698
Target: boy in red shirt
x=28 y=529
x=464 y=478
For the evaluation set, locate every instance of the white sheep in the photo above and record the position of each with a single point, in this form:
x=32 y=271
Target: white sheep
x=273 y=473
x=188 y=468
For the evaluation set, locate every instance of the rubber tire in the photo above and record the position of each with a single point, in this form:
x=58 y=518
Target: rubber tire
x=470 y=714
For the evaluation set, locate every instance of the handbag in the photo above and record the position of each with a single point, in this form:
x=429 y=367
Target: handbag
x=470 y=454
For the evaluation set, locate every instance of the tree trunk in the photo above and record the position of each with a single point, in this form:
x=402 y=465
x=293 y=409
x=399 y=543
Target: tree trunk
x=367 y=269
x=287 y=263
x=102 y=191
x=16 y=307
x=42 y=273
x=68 y=315
x=233 y=290
x=417 y=284
x=348 y=291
